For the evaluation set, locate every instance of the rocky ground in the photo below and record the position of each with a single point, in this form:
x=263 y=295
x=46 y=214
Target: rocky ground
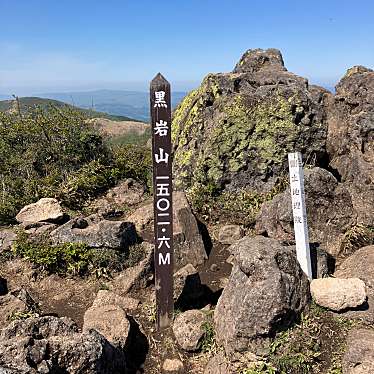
x=77 y=289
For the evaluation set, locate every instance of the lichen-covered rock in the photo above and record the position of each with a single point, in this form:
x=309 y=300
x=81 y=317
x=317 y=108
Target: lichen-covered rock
x=350 y=140
x=329 y=209
x=236 y=129
x=267 y=291
x=338 y=293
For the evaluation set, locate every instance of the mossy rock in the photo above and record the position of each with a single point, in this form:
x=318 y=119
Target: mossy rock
x=234 y=132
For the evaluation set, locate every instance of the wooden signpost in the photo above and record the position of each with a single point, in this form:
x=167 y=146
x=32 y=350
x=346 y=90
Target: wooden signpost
x=295 y=164
x=163 y=202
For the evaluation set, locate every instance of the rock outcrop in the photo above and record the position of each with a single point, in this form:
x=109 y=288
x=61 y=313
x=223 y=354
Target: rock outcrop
x=236 y=129
x=266 y=292
x=350 y=140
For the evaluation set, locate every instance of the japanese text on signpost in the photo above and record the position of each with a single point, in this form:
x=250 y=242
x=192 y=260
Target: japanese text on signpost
x=162 y=189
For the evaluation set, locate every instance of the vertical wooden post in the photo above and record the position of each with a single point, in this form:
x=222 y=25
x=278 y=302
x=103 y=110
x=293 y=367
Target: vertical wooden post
x=299 y=212
x=163 y=201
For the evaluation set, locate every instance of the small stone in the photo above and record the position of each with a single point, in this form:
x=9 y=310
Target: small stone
x=45 y=210
x=229 y=234
x=188 y=329
x=7 y=237
x=173 y=366
x=338 y=294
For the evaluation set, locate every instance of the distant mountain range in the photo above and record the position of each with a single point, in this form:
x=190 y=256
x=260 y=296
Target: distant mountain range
x=133 y=104
x=28 y=102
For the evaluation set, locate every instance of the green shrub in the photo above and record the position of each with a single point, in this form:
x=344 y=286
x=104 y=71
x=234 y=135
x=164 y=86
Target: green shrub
x=134 y=161
x=39 y=150
x=55 y=153
x=74 y=258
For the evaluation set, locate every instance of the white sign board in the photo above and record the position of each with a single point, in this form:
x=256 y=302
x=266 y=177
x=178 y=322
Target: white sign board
x=295 y=164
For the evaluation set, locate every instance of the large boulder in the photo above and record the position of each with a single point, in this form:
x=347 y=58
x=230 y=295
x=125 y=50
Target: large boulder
x=350 y=140
x=236 y=129
x=360 y=265
x=44 y=210
x=53 y=345
x=359 y=356
x=96 y=232
x=188 y=243
x=266 y=292
x=330 y=212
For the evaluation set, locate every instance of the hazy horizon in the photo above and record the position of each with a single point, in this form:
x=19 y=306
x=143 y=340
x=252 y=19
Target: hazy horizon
x=80 y=46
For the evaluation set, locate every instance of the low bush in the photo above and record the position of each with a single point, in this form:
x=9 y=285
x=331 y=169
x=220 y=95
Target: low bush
x=74 y=258
x=55 y=153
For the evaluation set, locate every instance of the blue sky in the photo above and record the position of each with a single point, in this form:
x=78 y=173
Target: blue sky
x=79 y=45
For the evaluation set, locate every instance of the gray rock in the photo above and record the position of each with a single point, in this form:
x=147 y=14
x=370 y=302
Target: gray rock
x=7 y=237
x=255 y=60
x=188 y=328
x=219 y=364
x=266 y=292
x=360 y=265
x=51 y=344
x=229 y=234
x=119 y=198
x=329 y=209
x=110 y=321
x=137 y=276
x=359 y=356
x=18 y=302
x=44 y=210
x=338 y=294
x=350 y=139
x=96 y=232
